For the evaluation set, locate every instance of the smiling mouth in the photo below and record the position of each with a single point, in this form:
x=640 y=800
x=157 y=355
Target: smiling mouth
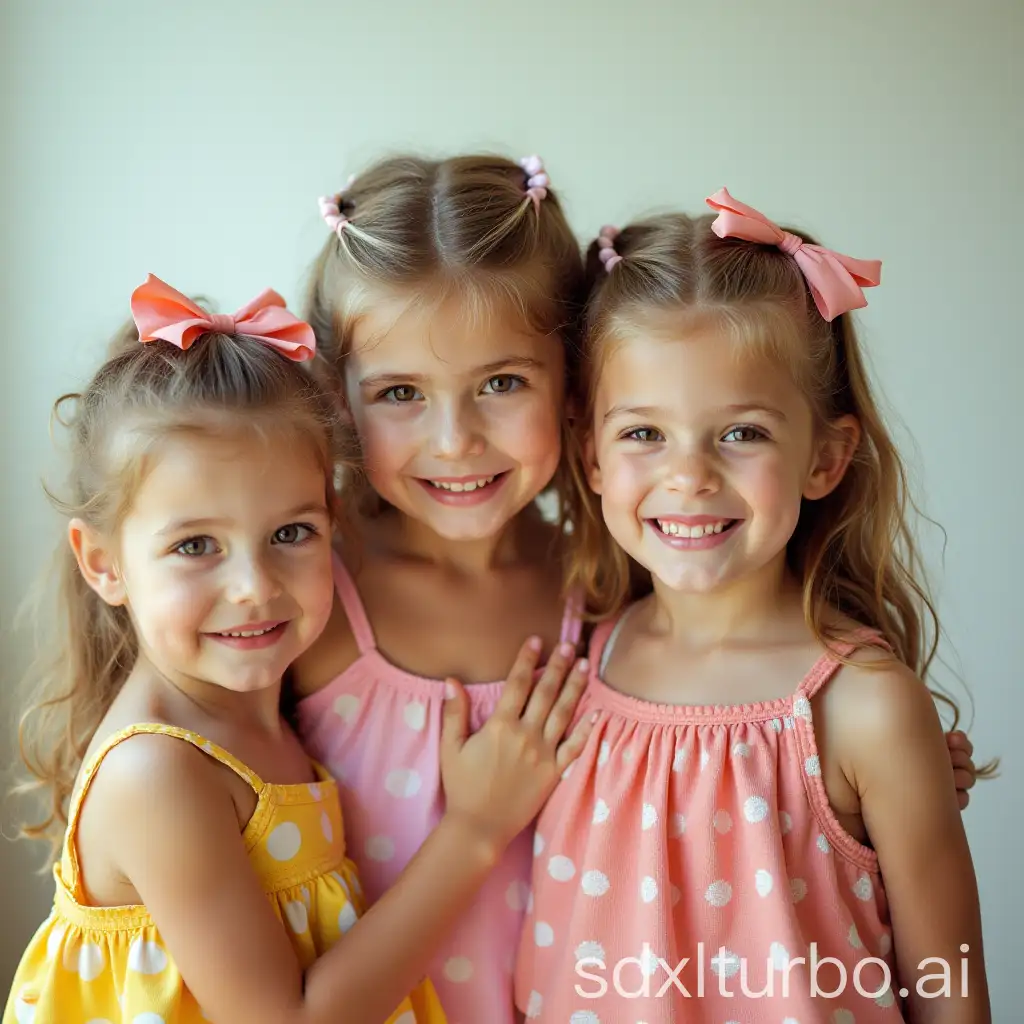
x=257 y=637
x=252 y=632
x=673 y=528
x=463 y=486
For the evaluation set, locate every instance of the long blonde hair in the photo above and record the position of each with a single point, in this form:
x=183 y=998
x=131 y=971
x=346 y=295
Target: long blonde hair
x=419 y=229
x=140 y=394
x=854 y=550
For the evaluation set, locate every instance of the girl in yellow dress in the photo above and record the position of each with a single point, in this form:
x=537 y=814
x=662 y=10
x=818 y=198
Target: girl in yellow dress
x=194 y=884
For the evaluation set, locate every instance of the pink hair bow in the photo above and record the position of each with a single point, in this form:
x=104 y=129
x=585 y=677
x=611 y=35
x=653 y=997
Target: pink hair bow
x=837 y=282
x=537 y=180
x=162 y=313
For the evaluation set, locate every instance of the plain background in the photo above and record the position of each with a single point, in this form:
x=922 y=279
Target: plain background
x=193 y=139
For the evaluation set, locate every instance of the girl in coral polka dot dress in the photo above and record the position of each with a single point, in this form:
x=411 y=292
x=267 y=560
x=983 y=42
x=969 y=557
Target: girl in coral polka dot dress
x=767 y=784
x=203 y=874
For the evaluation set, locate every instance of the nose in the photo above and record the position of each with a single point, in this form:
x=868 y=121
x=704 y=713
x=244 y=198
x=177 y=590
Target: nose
x=693 y=473
x=456 y=431
x=251 y=579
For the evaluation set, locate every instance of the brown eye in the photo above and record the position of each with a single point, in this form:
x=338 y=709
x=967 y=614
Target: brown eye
x=503 y=385
x=744 y=434
x=401 y=393
x=645 y=435
x=293 y=533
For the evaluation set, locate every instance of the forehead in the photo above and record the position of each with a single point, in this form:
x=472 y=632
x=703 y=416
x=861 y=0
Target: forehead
x=240 y=474
x=450 y=336
x=703 y=368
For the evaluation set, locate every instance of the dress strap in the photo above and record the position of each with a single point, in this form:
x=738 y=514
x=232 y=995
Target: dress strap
x=572 y=619
x=353 y=605
x=602 y=641
x=73 y=881
x=832 y=660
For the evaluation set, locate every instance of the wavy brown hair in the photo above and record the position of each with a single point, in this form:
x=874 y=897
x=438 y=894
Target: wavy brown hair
x=854 y=550
x=421 y=230
x=140 y=395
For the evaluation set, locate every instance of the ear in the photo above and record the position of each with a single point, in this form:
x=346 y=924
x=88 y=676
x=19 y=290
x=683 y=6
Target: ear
x=834 y=454
x=96 y=562
x=590 y=463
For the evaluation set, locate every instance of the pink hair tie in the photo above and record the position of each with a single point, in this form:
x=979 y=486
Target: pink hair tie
x=330 y=210
x=606 y=247
x=537 y=181
x=837 y=282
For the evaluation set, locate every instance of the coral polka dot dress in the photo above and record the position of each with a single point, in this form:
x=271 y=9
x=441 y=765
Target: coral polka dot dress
x=704 y=835
x=100 y=965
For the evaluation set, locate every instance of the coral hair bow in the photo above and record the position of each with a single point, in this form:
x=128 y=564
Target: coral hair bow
x=162 y=313
x=837 y=282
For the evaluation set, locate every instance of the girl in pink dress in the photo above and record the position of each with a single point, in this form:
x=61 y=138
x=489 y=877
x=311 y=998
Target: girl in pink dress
x=444 y=299
x=761 y=828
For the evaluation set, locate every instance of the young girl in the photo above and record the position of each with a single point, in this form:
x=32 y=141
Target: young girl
x=445 y=300
x=767 y=784
x=204 y=868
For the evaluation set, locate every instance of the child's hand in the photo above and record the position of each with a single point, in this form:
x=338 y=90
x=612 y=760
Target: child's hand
x=964 y=772
x=497 y=780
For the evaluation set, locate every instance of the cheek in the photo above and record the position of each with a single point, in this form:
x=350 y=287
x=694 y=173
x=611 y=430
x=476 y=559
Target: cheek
x=315 y=585
x=773 y=485
x=386 y=441
x=167 y=602
x=532 y=435
x=623 y=480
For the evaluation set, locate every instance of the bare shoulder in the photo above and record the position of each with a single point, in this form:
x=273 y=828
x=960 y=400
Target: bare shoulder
x=877 y=692
x=872 y=712
x=145 y=770
x=146 y=787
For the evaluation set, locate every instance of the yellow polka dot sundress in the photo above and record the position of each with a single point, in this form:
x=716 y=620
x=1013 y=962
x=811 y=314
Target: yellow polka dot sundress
x=101 y=965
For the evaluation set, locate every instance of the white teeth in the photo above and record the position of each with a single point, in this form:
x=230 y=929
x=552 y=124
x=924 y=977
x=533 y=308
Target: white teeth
x=462 y=488
x=248 y=632
x=674 y=529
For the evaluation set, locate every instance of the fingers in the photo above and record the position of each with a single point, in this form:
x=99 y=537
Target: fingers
x=963 y=799
x=571 y=748
x=565 y=707
x=519 y=683
x=961 y=759
x=454 y=718
x=958 y=741
x=963 y=779
x=547 y=689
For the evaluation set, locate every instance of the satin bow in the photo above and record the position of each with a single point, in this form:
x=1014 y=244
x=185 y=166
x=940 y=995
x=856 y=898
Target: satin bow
x=162 y=313
x=837 y=282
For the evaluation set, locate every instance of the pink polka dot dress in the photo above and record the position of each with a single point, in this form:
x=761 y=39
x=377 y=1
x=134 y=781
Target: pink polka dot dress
x=701 y=834
x=377 y=730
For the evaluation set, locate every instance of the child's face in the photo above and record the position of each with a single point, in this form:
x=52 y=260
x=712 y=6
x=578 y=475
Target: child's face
x=458 y=417
x=228 y=535
x=701 y=455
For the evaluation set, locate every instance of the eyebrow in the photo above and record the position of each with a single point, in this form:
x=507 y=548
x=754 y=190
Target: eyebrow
x=314 y=508
x=377 y=380
x=650 y=411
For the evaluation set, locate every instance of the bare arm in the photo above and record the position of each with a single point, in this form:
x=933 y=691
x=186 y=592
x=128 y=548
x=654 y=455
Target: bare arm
x=179 y=845
x=900 y=766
